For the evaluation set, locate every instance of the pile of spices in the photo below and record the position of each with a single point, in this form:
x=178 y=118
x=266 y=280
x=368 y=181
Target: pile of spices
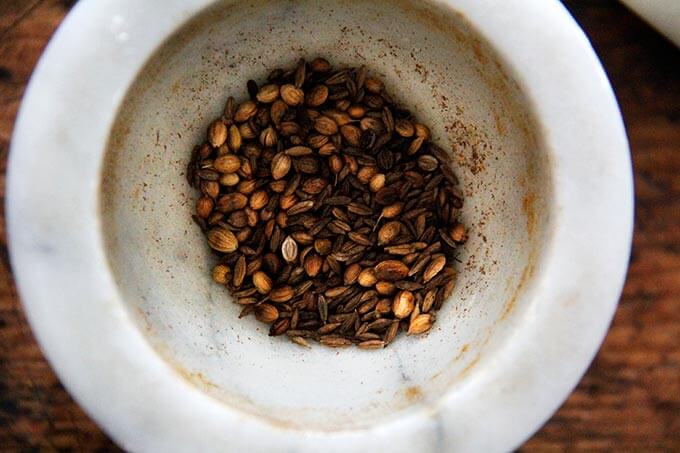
x=333 y=215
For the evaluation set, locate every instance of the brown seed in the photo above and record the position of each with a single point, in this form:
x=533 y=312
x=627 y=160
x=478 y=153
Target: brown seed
x=374 y=85
x=427 y=162
x=393 y=210
x=320 y=65
x=415 y=145
x=404 y=128
x=367 y=277
x=227 y=164
x=356 y=111
x=422 y=323
x=297 y=151
x=389 y=232
x=435 y=266
x=422 y=131
x=262 y=282
x=246 y=187
x=377 y=182
x=322 y=246
x=391 y=270
x=372 y=344
x=313 y=263
x=246 y=132
x=268 y=93
x=351 y=134
x=245 y=111
x=289 y=249
x=366 y=173
x=339 y=117
x=222 y=240
x=458 y=233
x=266 y=313
x=277 y=111
x=204 y=207
x=280 y=165
x=314 y=186
x=240 y=269
x=325 y=126
x=217 y=133
x=317 y=95
x=231 y=202
x=428 y=300
x=221 y=274
x=384 y=306
x=403 y=304
x=385 y=288
x=292 y=95
x=351 y=273
x=279 y=327
x=259 y=200
x=235 y=139
x=268 y=137
x=281 y=294
x=335 y=163
x=334 y=341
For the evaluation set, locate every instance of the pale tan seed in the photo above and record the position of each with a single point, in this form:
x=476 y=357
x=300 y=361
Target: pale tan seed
x=291 y=95
x=367 y=277
x=280 y=165
x=377 y=182
x=366 y=173
x=415 y=145
x=262 y=282
x=436 y=265
x=217 y=133
x=222 y=240
x=221 y=274
x=403 y=304
x=229 y=179
x=268 y=93
x=300 y=341
x=266 y=313
x=422 y=323
x=289 y=249
x=227 y=164
x=384 y=306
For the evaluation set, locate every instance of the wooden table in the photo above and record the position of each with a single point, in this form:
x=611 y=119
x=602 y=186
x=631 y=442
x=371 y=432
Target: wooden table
x=630 y=397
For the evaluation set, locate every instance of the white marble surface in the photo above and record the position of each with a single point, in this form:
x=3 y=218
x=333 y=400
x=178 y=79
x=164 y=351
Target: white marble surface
x=125 y=375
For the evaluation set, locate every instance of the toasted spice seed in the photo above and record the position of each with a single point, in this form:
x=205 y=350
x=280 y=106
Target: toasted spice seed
x=331 y=212
x=422 y=323
x=221 y=274
x=222 y=240
x=266 y=313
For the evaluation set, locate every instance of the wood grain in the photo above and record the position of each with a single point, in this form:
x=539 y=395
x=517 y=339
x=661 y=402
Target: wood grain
x=629 y=400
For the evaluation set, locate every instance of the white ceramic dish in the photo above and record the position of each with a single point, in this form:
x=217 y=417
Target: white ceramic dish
x=664 y=15
x=114 y=276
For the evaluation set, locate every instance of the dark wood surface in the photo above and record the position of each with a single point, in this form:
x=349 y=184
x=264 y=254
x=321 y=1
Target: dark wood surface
x=630 y=398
